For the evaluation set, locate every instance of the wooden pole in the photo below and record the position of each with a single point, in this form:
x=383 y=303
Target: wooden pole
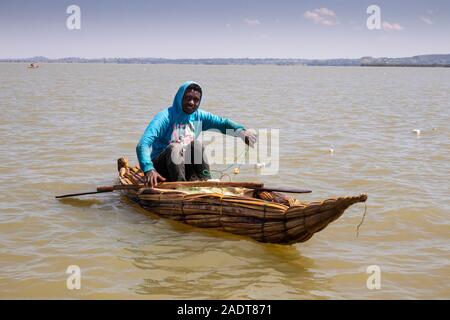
x=189 y=184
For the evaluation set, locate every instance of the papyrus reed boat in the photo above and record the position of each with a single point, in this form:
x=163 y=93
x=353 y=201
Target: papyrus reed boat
x=244 y=209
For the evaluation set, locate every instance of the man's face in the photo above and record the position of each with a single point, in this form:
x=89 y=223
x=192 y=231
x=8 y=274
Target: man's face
x=191 y=100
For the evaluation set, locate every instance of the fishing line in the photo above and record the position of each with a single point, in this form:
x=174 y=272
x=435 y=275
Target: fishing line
x=362 y=220
x=223 y=172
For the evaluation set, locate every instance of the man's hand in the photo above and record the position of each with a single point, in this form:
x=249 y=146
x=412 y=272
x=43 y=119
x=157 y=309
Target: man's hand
x=249 y=137
x=152 y=177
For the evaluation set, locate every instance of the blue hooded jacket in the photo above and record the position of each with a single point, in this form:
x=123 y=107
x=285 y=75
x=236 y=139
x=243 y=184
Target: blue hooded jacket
x=173 y=124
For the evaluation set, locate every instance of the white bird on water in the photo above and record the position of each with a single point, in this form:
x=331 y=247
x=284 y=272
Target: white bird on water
x=417 y=132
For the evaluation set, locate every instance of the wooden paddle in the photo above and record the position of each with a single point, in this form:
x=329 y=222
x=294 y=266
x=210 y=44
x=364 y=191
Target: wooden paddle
x=173 y=185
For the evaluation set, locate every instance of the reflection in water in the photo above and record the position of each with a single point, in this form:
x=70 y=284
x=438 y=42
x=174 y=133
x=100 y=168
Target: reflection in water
x=77 y=202
x=224 y=269
x=216 y=265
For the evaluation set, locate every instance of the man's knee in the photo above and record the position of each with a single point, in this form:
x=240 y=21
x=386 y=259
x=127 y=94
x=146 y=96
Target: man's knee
x=176 y=153
x=175 y=146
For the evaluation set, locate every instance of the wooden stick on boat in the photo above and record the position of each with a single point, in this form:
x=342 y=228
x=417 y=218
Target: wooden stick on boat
x=102 y=189
x=173 y=185
x=209 y=184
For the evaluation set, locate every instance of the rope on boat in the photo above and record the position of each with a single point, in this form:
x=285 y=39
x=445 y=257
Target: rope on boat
x=263 y=224
x=362 y=220
x=221 y=211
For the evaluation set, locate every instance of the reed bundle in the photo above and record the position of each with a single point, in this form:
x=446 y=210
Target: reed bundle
x=264 y=216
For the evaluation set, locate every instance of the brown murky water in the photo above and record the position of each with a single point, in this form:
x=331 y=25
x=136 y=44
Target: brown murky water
x=63 y=126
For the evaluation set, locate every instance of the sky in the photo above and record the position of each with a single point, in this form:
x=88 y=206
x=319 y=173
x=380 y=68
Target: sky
x=223 y=29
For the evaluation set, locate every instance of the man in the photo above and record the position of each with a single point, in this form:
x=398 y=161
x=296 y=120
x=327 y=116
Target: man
x=169 y=151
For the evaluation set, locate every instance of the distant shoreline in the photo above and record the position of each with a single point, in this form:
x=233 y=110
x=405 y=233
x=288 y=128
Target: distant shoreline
x=408 y=65
x=432 y=60
x=242 y=64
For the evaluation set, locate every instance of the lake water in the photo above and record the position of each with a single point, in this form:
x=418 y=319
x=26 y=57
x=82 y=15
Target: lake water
x=63 y=126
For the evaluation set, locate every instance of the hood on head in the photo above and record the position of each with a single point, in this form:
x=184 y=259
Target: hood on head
x=178 y=100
